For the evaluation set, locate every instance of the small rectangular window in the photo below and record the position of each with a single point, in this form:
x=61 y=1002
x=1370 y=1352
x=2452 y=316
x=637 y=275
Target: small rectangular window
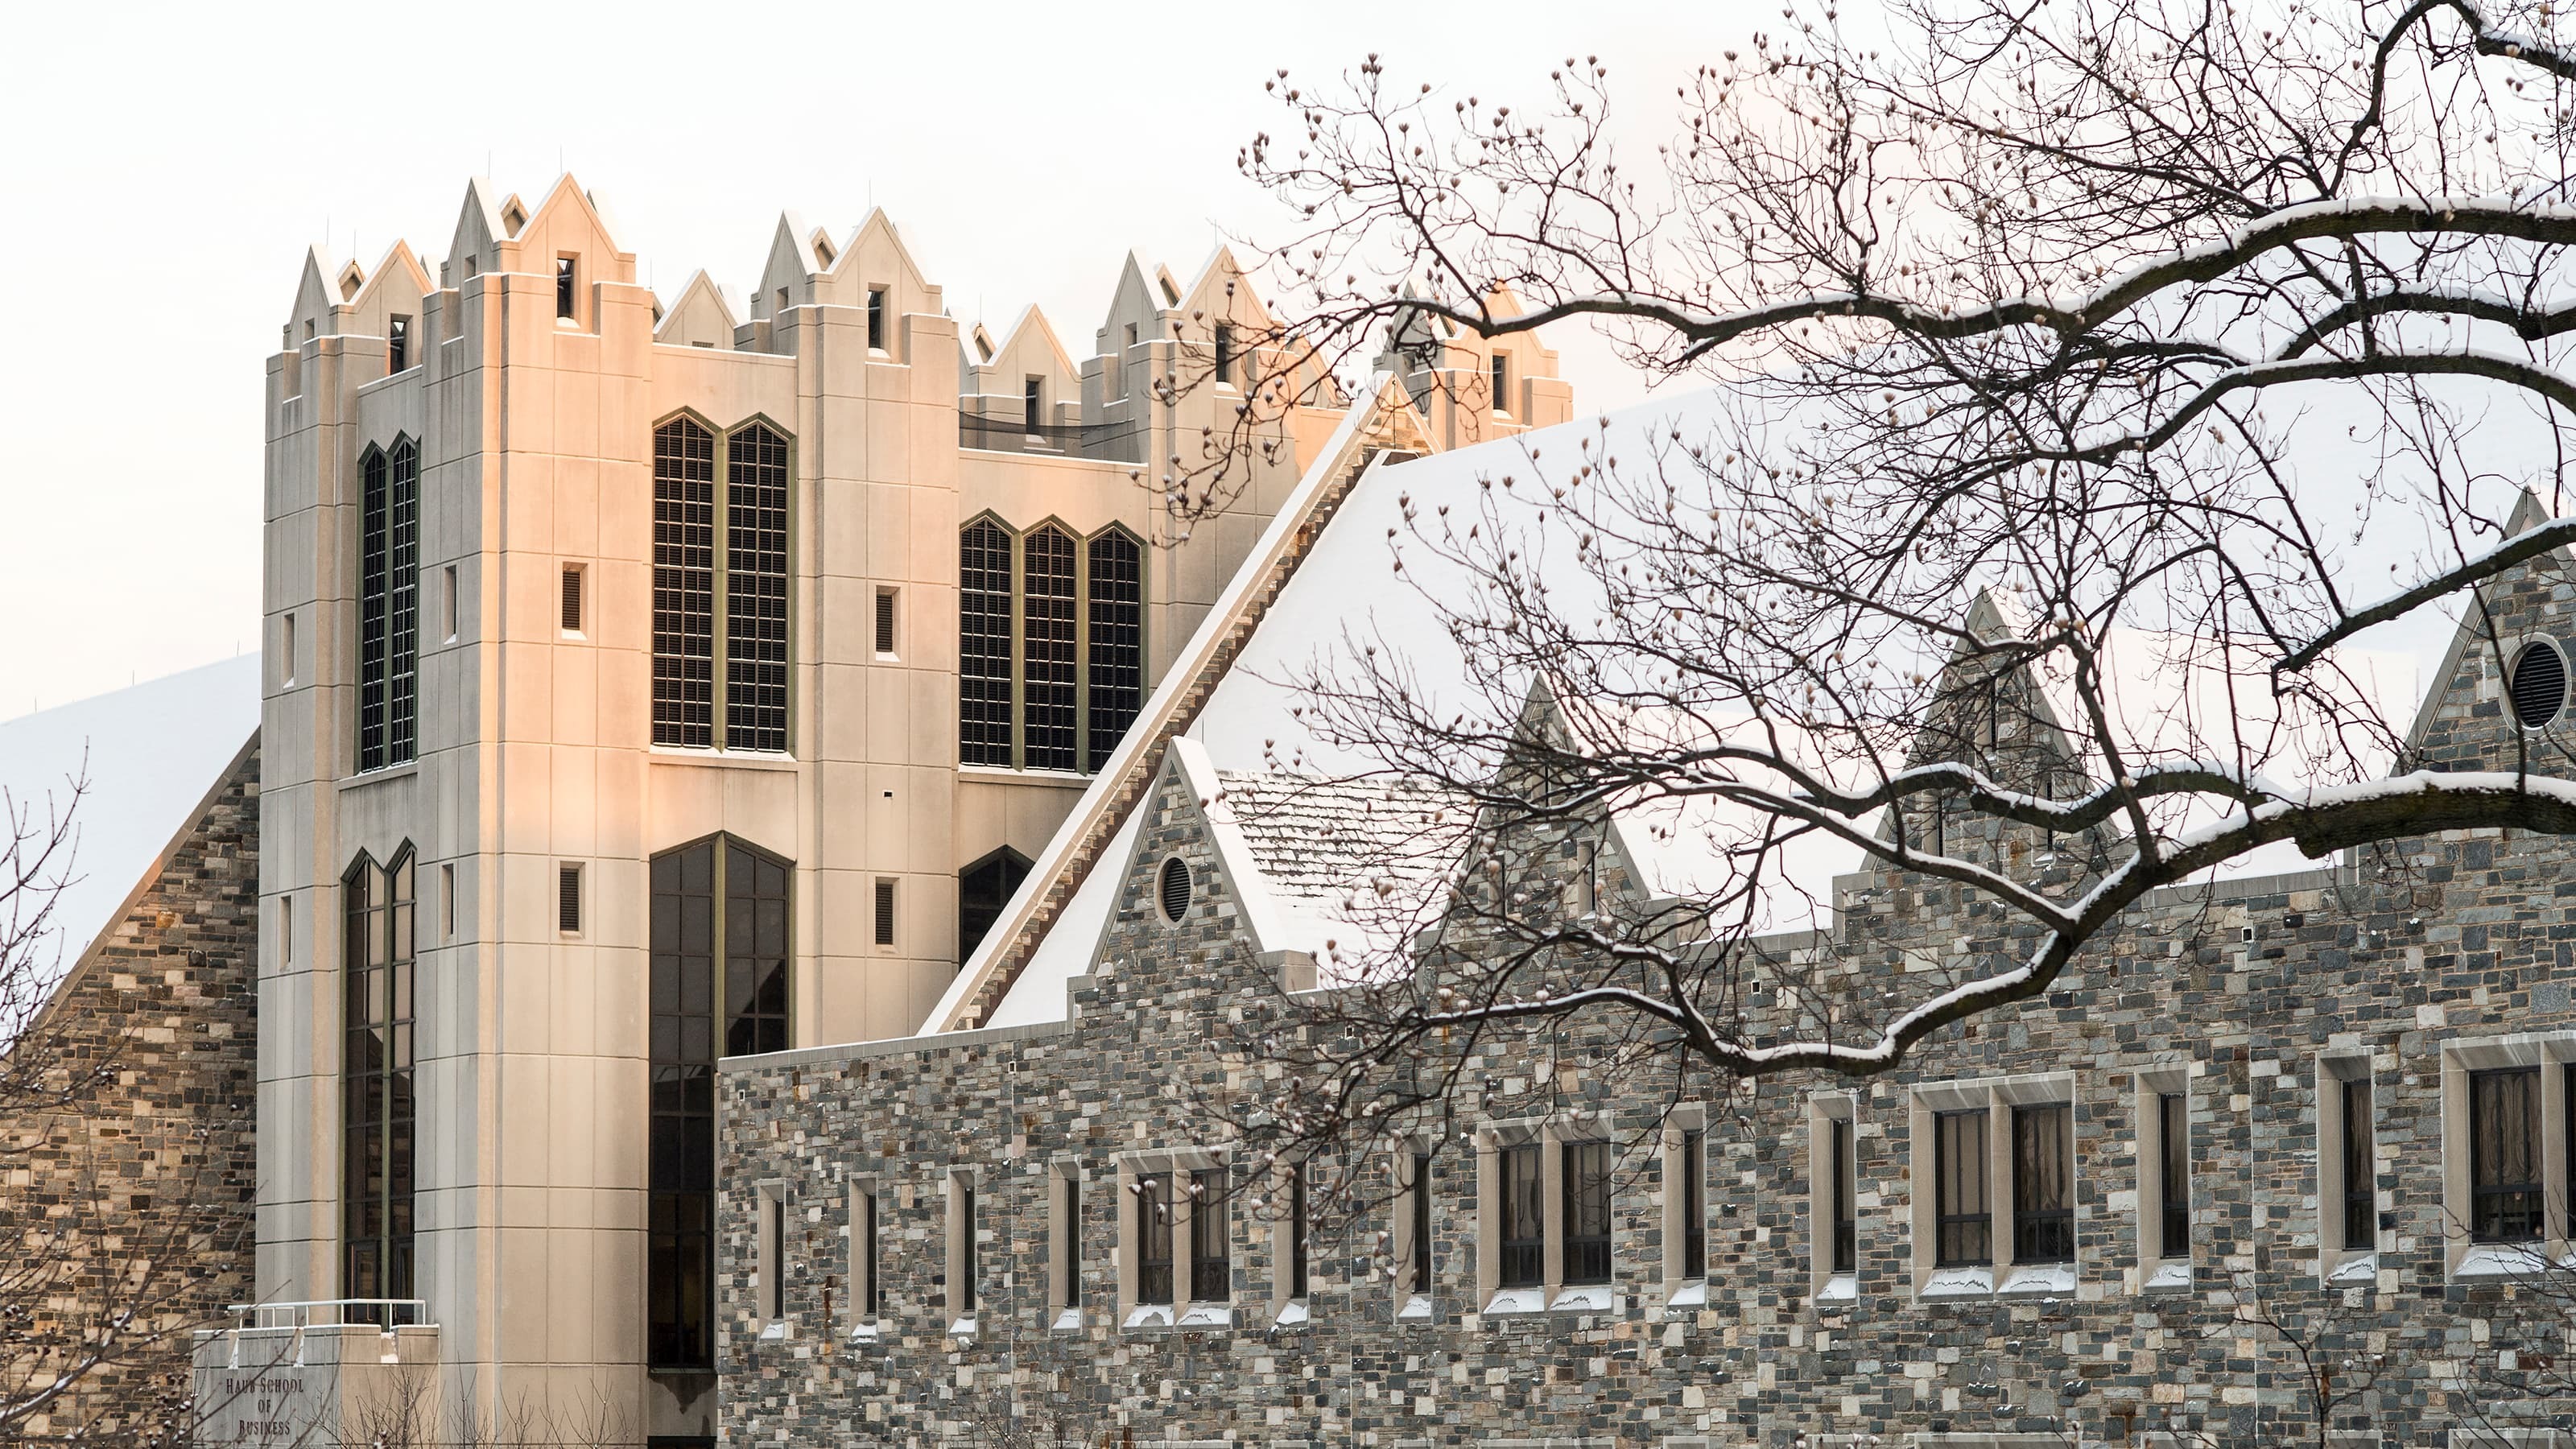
x=1846 y=1208
x=781 y=310
x=572 y=598
x=1211 y=1270
x=1587 y=1213
x=447 y=903
x=1064 y=1241
x=773 y=1253
x=451 y=605
x=1502 y=384
x=1297 y=1231
x=2043 y=1200
x=1963 y=1221
x=1694 y=1185
x=286 y=650
x=397 y=345
x=1033 y=403
x=567 y=284
x=1524 y=1234
x=2174 y=1137
x=885 y=622
x=2360 y=1174
x=1418 y=1200
x=867 y=1293
x=1225 y=354
x=963 y=1191
x=2504 y=1155
x=1153 y=1239
x=286 y=930
x=885 y=913
x=876 y=318
x=568 y=899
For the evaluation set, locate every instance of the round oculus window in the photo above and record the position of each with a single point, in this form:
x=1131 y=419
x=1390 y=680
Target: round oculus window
x=1175 y=887
x=2537 y=684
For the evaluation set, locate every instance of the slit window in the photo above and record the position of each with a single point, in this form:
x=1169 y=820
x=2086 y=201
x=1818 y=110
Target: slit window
x=1153 y=1239
x=567 y=285
x=885 y=622
x=1694 y=1195
x=1963 y=1218
x=2504 y=1155
x=1065 y=1240
x=1033 y=404
x=1211 y=1271
x=1225 y=353
x=2173 y=1132
x=397 y=345
x=1846 y=1210
x=1587 y=1212
x=867 y=1295
x=1502 y=375
x=447 y=902
x=1297 y=1231
x=885 y=913
x=572 y=600
x=964 y=1265
x=2043 y=1202
x=1524 y=1204
x=1418 y=1201
x=877 y=318
x=773 y=1252
x=286 y=649
x=2360 y=1175
x=453 y=607
x=568 y=899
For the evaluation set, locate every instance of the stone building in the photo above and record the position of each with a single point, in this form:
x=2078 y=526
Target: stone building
x=2339 y=1099
x=654 y=680
x=126 y=1094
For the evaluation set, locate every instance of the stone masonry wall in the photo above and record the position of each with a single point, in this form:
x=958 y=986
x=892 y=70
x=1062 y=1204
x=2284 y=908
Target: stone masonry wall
x=133 y=1199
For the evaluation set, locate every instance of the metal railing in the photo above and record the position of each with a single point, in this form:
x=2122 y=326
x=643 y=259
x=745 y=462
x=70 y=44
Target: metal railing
x=381 y=1313
x=1104 y=442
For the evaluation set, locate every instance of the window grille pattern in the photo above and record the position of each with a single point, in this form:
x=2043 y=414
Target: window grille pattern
x=2360 y=1185
x=2043 y=1181
x=684 y=575
x=402 y=603
x=720 y=977
x=1117 y=663
x=756 y=480
x=1046 y=647
x=1587 y=1212
x=2173 y=1129
x=1963 y=1222
x=377 y=1113
x=1524 y=1224
x=2504 y=1155
x=984 y=645
x=374 y=559
x=1153 y=1239
x=1211 y=1273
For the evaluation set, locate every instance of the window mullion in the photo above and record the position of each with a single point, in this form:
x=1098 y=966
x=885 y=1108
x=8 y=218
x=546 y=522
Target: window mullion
x=720 y=610
x=1082 y=654
x=1019 y=657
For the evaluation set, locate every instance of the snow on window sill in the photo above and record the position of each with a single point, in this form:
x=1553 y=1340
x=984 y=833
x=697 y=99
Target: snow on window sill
x=774 y=1329
x=2170 y=1276
x=2361 y=1269
x=1417 y=1308
x=1959 y=1283
x=2502 y=1260
x=1149 y=1315
x=1840 y=1288
x=1291 y=1314
x=2041 y=1278
x=963 y=1328
x=1693 y=1294
x=1586 y=1298
x=1067 y=1320
x=864 y=1333
x=1517 y=1300
x=1208 y=1315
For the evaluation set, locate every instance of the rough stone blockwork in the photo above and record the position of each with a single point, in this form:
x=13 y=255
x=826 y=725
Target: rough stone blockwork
x=136 y=1196
x=2253 y=1002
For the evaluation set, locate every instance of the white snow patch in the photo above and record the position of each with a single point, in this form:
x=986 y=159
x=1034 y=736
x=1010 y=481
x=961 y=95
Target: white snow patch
x=1208 y=1315
x=2169 y=1275
x=2361 y=1268
x=1291 y=1314
x=1517 y=1300
x=1147 y=1315
x=1586 y=1298
x=1070 y=1318
x=1692 y=1294
x=1840 y=1288
x=2042 y=1278
x=1416 y=1306
x=2502 y=1260
x=1959 y=1283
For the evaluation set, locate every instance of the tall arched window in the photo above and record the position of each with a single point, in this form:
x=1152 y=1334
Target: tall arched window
x=377 y=1100
x=388 y=604
x=756 y=590
x=984 y=645
x=1117 y=643
x=1047 y=693
x=684 y=584
x=736 y=553
x=722 y=969
x=983 y=889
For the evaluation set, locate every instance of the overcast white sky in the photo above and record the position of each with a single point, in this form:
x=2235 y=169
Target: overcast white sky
x=169 y=164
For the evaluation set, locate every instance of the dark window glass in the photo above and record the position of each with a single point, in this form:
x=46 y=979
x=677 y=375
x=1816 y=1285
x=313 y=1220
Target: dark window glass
x=566 y=279
x=756 y=590
x=1846 y=1210
x=1524 y=1217
x=377 y=1101
x=1297 y=1231
x=568 y=898
x=983 y=889
x=876 y=317
x=1046 y=649
x=402 y=603
x=2504 y=1155
x=967 y=1267
x=1502 y=384
x=1963 y=1217
x=869 y=1291
x=1224 y=353
x=1117 y=663
x=397 y=345
x=984 y=645
x=1587 y=1212
x=1419 y=1201
x=1072 y=1239
x=885 y=913
x=1211 y=1275
x=2043 y=1198
x=2360 y=1175
x=2173 y=1131
x=885 y=621
x=684 y=584
x=773 y=1277
x=572 y=601
x=719 y=949
x=1153 y=1239
x=1033 y=404
x=373 y=558
x=1694 y=1167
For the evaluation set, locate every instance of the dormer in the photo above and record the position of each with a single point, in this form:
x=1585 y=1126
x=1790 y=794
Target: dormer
x=566 y=240
x=870 y=271
x=701 y=316
x=1024 y=379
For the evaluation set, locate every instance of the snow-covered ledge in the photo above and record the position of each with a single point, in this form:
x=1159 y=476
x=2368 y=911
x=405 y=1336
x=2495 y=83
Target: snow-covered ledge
x=2361 y=1270
x=1968 y=1282
x=2173 y=1275
x=1586 y=1298
x=2039 y=1278
x=1688 y=1296
x=2502 y=1260
x=1416 y=1309
x=1516 y=1300
x=1067 y=1321
x=1207 y=1315
x=1840 y=1288
x=963 y=1327
x=1148 y=1315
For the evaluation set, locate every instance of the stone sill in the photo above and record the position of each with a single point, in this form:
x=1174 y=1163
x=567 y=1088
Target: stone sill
x=722 y=759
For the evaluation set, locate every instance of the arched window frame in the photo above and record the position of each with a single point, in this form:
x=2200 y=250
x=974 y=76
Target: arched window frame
x=1093 y=742
x=747 y=667
x=379 y=1096
x=1005 y=859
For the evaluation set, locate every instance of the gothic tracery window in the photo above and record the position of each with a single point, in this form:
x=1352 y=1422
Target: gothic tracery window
x=1051 y=645
x=736 y=553
x=377 y=1090
x=388 y=605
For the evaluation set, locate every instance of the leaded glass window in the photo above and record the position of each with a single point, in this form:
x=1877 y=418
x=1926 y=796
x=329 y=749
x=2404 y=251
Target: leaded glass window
x=374 y=560
x=684 y=573
x=1117 y=663
x=2043 y=1185
x=1587 y=1212
x=984 y=645
x=376 y=1064
x=2504 y=1155
x=1047 y=650
x=402 y=603
x=1524 y=1216
x=721 y=971
x=756 y=590
x=1153 y=1238
x=1963 y=1224
x=1211 y=1272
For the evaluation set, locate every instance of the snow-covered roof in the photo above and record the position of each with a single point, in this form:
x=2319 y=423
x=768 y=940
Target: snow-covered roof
x=149 y=754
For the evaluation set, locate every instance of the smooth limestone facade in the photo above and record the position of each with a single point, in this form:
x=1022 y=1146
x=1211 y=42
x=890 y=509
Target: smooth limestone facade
x=528 y=372
x=2254 y=1001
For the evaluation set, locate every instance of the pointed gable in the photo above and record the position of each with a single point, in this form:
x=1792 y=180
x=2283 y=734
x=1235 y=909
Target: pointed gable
x=2469 y=719
x=701 y=316
x=475 y=247
x=318 y=308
